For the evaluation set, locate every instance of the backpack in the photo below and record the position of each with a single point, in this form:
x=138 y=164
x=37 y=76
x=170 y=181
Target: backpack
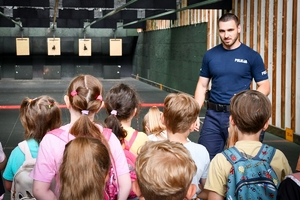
x=251 y=177
x=130 y=157
x=22 y=182
x=112 y=186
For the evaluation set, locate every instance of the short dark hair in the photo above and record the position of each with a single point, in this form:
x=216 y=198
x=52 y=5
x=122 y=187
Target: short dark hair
x=250 y=110
x=229 y=16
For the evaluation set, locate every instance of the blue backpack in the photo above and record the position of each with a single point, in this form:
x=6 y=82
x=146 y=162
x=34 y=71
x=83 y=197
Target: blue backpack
x=251 y=177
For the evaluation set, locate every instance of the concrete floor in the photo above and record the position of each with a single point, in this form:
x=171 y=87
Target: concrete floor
x=13 y=91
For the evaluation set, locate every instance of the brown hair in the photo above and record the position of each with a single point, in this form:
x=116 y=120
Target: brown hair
x=38 y=116
x=85 y=94
x=180 y=112
x=164 y=170
x=123 y=99
x=250 y=110
x=152 y=123
x=83 y=172
x=229 y=16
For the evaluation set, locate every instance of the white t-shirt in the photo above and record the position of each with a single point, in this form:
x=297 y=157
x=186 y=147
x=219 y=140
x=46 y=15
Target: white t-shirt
x=162 y=136
x=201 y=158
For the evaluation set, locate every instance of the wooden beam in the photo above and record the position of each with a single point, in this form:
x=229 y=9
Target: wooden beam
x=275 y=18
x=252 y=24
x=258 y=25
x=283 y=62
x=245 y=23
x=293 y=65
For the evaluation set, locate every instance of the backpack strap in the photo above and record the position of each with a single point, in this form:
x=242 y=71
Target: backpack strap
x=58 y=133
x=131 y=141
x=25 y=149
x=266 y=153
x=107 y=133
x=233 y=155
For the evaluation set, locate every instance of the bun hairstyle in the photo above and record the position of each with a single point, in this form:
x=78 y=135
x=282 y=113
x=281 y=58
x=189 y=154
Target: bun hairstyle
x=85 y=95
x=38 y=116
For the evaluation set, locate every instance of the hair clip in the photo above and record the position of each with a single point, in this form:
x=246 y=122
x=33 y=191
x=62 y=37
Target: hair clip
x=114 y=112
x=99 y=97
x=85 y=112
x=73 y=93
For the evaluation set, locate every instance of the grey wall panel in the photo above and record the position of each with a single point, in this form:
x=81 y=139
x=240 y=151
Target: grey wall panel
x=9 y=45
x=52 y=72
x=38 y=62
x=68 y=66
x=38 y=45
x=67 y=45
x=111 y=71
x=23 y=72
x=85 y=69
x=8 y=66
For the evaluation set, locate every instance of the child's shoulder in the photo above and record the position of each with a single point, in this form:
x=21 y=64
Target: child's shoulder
x=196 y=148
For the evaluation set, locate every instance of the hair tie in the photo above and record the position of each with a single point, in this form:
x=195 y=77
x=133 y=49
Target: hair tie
x=114 y=112
x=73 y=93
x=85 y=112
x=99 y=97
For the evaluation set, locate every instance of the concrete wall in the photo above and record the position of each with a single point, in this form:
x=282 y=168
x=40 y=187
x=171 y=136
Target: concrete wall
x=171 y=57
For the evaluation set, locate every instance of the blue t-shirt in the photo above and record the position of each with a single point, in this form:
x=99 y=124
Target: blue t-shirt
x=231 y=71
x=16 y=159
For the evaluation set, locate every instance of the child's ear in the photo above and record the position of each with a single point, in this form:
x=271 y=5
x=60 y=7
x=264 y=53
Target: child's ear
x=162 y=118
x=191 y=191
x=136 y=188
x=193 y=126
x=266 y=125
x=231 y=121
x=67 y=101
x=134 y=112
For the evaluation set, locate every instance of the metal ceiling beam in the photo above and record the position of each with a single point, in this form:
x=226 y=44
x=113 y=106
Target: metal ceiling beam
x=171 y=12
x=55 y=13
x=13 y=21
x=111 y=13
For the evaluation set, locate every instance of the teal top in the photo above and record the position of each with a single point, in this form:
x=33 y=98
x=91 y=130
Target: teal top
x=16 y=159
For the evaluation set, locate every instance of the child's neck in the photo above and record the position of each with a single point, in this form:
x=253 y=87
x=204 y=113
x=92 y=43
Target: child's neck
x=178 y=137
x=126 y=123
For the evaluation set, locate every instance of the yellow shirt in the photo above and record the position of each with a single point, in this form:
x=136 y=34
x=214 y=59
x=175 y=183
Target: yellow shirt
x=220 y=167
x=139 y=141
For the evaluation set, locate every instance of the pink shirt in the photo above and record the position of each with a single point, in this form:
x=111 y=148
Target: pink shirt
x=51 y=151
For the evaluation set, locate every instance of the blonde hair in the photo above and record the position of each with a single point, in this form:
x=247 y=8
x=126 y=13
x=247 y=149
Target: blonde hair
x=38 y=116
x=180 y=112
x=164 y=170
x=83 y=172
x=152 y=122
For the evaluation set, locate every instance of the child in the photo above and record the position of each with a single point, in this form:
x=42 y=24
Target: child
x=38 y=116
x=84 y=176
x=122 y=104
x=164 y=171
x=153 y=126
x=84 y=100
x=180 y=118
x=250 y=112
x=3 y=161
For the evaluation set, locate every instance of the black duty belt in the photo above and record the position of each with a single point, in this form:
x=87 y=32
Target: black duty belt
x=218 y=107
